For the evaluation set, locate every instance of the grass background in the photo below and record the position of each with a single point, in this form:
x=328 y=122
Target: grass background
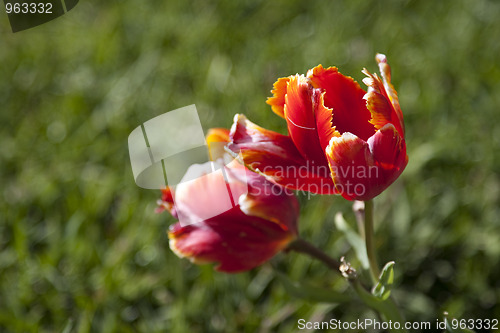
x=81 y=249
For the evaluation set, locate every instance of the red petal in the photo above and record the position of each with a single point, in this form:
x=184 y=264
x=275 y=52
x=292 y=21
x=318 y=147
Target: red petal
x=324 y=121
x=345 y=97
x=277 y=102
x=234 y=240
x=299 y=114
x=167 y=202
x=385 y=70
x=206 y=195
x=270 y=202
x=389 y=152
x=275 y=156
x=347 y=156
x=378 y=102
x=362 y=170
x=382 y=99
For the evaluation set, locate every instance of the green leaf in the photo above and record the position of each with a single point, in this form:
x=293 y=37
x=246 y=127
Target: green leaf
x=387 y=307
x=354 y=239
x=68 y=327
x=382 y=289
x=311 y=293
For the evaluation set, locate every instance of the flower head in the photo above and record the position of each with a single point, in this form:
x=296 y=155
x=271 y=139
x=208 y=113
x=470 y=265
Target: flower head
x=344 y=139
x=263 y=221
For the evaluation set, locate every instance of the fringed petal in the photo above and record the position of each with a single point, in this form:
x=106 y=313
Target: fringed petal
x=381 y=99
x=275 y=156
x=300 y=105
x=345 y=97
x=277 y=102
x=237 y=242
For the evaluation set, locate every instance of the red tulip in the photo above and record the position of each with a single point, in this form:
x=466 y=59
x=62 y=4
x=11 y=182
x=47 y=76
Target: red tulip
x=263 y=222
x=342 y=139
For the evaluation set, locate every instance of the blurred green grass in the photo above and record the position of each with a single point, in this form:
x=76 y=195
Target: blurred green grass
x=81 y=249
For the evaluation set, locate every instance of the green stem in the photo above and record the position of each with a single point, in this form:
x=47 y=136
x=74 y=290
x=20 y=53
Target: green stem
x=385 y=307
x=358 y=208
x=303 y=246
x=369 y=239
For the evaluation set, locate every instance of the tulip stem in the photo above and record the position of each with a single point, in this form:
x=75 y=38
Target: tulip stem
x=369 y=240
x=386 y=307
x=359 y=211
x=303 y=246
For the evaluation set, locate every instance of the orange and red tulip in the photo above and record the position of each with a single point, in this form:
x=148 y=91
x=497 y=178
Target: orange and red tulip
x=342 y=139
